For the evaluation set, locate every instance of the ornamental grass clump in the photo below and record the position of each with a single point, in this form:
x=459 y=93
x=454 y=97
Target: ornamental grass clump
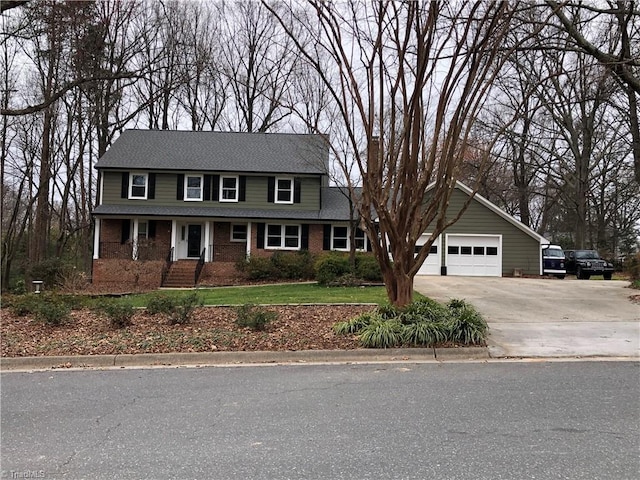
x=423 y=323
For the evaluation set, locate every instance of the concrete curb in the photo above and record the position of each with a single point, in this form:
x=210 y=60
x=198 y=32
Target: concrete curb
x=239 y=358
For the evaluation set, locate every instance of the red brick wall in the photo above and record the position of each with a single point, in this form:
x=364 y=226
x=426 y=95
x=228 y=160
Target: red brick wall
x=110 y=230
x=221 y=273
x=124 y=275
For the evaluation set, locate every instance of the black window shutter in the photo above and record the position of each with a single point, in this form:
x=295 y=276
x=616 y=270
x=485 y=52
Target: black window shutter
x=151 y=194
x=215 y=187
x=125 y=231
x=368 y=240
x=242 y=189
x=124 y=192
x=305 y=237
x=151 y=229
x=296 y=190
x=271 y=190
x=180 y=187
x=207 y=188
x=260 y=235
x=326 y=238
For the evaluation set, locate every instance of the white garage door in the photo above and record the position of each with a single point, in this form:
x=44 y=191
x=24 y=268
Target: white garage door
x=474 y=255
x=431 y=265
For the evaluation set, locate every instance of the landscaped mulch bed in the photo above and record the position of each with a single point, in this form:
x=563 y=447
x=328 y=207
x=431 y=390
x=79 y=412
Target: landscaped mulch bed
x=211 y=329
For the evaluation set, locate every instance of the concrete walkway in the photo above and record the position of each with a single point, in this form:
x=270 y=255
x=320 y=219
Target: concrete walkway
x=548 y=317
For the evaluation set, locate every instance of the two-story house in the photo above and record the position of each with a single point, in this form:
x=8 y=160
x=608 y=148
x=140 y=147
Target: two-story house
x=175 y=205
x=173 y=198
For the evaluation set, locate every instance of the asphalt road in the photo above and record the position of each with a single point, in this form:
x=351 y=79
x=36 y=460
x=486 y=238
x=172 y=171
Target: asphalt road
x=541 y=317
x=572 y=420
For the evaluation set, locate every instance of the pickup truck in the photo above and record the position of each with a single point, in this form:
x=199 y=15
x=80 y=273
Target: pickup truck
x=584 y=263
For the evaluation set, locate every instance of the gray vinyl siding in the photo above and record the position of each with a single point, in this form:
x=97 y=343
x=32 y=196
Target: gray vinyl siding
x=519 y=250
x=256 y=193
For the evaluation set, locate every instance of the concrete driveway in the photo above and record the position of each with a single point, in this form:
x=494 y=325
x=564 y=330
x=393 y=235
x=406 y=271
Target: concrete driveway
x=534 y=317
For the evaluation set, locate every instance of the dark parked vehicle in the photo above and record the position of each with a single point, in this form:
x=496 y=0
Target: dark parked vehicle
x=585 y=263
x=553 y=261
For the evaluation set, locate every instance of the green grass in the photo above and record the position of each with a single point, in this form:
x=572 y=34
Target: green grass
x=279 y=294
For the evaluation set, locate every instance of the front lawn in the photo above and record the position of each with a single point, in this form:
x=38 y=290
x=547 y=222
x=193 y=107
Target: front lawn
x=283 y=294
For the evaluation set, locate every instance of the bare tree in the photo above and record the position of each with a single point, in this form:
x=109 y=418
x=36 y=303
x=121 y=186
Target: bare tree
x=260 y=64
x=616 y=47
x=409 y=80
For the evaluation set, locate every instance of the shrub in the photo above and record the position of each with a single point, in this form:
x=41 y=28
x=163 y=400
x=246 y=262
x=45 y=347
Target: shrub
x=633 y=268
x=382 y=334
x=161 y=303
x=292 y=265
x=118 y=312
x=256 y=268
x=52 y=310
x=23 y=305
x=253 y=317
x=367 y=268
x=183 y=309
x=50 y=271
x=331 y=267
x=346 y=280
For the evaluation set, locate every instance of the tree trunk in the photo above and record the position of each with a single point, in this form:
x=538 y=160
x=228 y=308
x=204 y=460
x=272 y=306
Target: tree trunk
x=399 y=288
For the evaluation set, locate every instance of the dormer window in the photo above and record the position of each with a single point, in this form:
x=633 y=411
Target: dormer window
x=193 y=188
x=284 y=190
x=138 y=186
x=228 y=189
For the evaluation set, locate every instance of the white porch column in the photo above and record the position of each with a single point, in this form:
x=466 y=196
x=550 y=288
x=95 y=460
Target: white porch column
x=134 y=240
x=174 y=236
x=96 y=239
x=207 y=241
x=248 y=239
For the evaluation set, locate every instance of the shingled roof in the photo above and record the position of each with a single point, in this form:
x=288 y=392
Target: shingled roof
x=335 y=207
x=219 y=151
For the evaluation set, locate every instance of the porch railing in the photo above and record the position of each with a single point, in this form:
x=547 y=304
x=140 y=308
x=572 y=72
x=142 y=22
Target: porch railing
x=199 y=266
x=167 y=266
x=116 y=250
x=124 y=251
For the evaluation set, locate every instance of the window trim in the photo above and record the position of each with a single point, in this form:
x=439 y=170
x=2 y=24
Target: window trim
x=246 y=233
x=283 y=236
x=333 y=238
x=145 y=175
x=236 y=189
x=186 y=188
x=291 y=190
x=365 y=237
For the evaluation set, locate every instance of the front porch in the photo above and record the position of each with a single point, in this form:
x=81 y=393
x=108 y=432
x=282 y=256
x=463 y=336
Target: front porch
x=121 y=243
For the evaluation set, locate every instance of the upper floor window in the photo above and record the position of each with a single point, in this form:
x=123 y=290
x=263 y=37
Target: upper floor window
x=283 y=237
x=138 y=186
x=284 y=190
x=228 y=189
x=193 y=187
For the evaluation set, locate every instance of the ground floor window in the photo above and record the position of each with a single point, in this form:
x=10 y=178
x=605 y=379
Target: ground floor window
x=283 y=237
x=239 y=232
x=340 y=239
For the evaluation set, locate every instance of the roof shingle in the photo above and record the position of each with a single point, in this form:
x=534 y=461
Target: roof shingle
x=219 y=151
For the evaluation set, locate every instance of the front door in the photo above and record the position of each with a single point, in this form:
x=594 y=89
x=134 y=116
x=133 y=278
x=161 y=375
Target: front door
x=194 y=240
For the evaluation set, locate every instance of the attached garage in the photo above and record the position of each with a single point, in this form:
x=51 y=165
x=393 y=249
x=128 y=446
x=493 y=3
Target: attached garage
x=431 y=265
x=485 y=241
x=474 y=255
